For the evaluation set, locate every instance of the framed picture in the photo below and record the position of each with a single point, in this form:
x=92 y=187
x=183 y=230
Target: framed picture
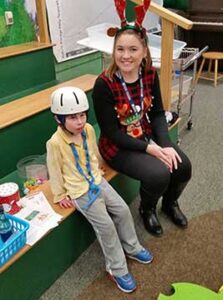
x=23 y=26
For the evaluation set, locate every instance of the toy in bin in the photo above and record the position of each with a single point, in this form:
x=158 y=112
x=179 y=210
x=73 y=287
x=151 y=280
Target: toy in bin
x=9 y=196
x=33 y=171
x=32 y=184
x=16 y=235
x=5 y=226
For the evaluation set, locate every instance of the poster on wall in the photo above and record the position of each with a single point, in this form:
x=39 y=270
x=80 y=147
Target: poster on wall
x=18 y=22
x=69 y=22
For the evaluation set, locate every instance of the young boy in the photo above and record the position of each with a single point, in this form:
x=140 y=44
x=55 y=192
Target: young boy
x=76 y=180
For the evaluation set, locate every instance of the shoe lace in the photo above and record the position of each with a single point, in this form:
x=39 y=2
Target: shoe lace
x=127 y=277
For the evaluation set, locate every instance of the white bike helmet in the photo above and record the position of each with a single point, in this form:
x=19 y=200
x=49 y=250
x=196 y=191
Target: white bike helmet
x=68 y=101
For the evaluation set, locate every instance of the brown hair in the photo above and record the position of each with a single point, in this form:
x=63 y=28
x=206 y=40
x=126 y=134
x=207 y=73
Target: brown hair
x=146 y=62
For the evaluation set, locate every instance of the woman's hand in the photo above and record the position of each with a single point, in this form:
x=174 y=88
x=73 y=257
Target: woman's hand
x=174 y=157
x=66 y=203
x=167 y=155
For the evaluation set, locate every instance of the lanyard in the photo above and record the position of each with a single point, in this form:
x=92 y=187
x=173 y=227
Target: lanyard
x=131 y=102
x=94 y=190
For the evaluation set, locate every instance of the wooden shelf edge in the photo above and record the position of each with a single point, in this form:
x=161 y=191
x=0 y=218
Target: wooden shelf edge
x=23 y=48
x=175 y=124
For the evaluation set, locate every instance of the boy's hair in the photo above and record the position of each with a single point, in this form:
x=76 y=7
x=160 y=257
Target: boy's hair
x=62 y=118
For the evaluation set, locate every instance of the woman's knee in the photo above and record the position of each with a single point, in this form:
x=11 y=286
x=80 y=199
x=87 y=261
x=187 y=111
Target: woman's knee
x=157 y=181
x=185 y=169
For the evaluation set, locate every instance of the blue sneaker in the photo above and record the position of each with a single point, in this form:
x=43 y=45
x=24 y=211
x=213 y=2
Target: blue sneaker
x=144 y=256
x=125 y=283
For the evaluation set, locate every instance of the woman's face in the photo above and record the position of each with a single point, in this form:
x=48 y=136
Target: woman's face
x=128 y=53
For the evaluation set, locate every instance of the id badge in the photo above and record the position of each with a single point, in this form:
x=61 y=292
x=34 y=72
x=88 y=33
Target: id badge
x=93 y=193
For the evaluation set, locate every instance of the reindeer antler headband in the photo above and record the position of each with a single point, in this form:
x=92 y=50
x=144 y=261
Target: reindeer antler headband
x=140 y=11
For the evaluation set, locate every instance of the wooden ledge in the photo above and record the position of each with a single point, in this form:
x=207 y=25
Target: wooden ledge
x=174 y=124
x=23 y=48
x=30 y=105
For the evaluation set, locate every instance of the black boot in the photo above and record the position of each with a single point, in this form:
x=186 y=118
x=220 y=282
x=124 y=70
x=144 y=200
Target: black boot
x=173 y=211
x=171 y=207
x=147 y=211
x=151 y=221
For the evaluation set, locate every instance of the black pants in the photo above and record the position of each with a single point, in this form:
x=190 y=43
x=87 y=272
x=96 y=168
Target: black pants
x=156 y=180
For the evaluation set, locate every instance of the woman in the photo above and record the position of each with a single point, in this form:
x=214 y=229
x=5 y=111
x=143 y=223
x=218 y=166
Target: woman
x=134 y=134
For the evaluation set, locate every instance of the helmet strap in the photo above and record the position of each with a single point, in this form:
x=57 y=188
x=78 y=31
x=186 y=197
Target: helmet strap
x=61 y=122
x=60 y=119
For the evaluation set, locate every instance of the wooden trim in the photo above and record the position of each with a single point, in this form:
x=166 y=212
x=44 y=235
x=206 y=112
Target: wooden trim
x=174 y=124
x=166 y=68
x=30 y=105
x=15 y=258
x=22 y=48
x=168 y=15
x=42 y=21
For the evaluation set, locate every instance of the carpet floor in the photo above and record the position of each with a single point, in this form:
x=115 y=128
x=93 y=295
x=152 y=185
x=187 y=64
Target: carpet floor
x=193 y=255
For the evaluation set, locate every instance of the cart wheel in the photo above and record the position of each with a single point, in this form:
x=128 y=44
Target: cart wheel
x=189 y=125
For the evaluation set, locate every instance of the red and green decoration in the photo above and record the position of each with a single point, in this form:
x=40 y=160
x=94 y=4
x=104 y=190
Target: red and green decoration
x=140 y=12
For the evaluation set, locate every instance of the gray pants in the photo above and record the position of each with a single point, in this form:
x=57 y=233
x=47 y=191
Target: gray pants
x=113 y=224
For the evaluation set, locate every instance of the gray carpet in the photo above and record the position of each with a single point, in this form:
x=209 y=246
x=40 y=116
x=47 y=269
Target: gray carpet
x=203 y=144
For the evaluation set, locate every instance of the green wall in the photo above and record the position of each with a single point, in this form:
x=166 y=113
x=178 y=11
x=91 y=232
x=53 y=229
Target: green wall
x=24 y=138
x=91 y=64
x=25 y=73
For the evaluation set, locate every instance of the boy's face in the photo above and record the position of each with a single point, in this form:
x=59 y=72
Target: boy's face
x=75 y=123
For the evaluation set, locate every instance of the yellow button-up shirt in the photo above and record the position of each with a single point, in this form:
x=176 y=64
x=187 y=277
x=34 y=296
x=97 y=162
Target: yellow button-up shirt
x=65 y=180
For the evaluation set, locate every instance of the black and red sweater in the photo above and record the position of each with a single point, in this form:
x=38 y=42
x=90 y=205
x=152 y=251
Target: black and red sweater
x=111 y=106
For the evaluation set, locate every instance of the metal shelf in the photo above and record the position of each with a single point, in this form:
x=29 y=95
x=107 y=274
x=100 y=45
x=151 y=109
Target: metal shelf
x=188 y=57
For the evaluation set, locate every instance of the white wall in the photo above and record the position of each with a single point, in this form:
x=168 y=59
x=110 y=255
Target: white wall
x=68 y=20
